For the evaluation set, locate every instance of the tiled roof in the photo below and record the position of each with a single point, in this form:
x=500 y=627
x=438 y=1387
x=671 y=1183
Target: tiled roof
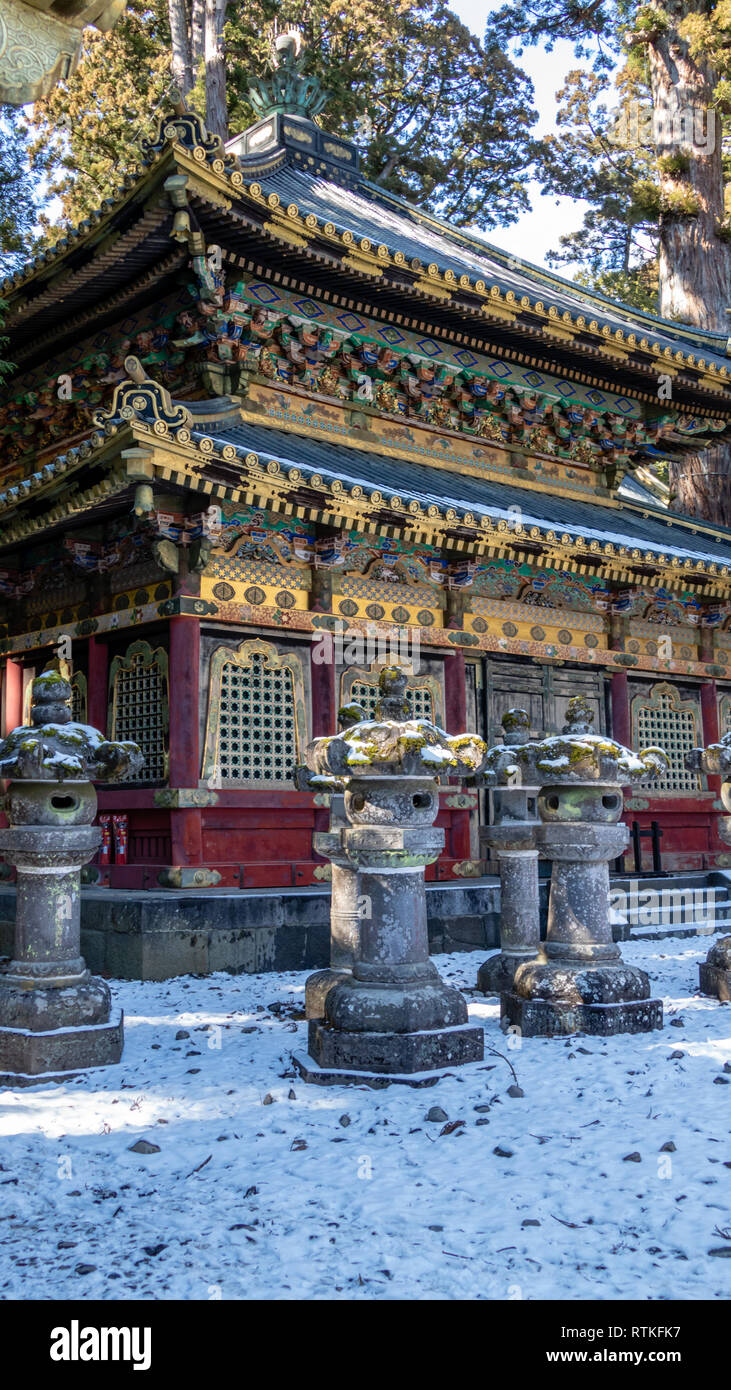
x=658 y=531
x=369 y=212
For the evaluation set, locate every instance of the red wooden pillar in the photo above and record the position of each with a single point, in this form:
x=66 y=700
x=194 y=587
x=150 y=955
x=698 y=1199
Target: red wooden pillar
x=621 y=717
x=322 y=686
x=13 y=695
x=186 y=823
x=97 y=700
x=709 y=712
x=621 y=721
x=455 y=718
x=324 y=707
x=710 y=724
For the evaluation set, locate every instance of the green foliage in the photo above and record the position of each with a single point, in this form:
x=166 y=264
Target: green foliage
x=444 y=120
x=616 y=246
x=86 y=135
x=650 y=21
x=17 y=203
x=674 y=165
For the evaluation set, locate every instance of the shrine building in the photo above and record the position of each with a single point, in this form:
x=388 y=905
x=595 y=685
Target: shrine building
x=266 y=418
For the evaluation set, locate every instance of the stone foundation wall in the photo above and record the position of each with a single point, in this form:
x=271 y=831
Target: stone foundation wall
x=156 y=935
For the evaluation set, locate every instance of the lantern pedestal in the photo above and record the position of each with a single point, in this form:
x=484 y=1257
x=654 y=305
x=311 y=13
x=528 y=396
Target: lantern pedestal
x=55 y=1016
x=579 y=983
x=519 y=912
x=393 y=1014
x=715 y=972
x=344 y=919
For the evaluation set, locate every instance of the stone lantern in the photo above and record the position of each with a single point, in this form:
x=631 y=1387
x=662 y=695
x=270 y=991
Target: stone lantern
x=344 y=913
x=513 y=836
x=393 y=1014
x=579 y=982
x=715 y=761
x=55 y=1016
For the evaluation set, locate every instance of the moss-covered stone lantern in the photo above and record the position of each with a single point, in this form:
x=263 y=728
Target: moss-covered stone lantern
x=393 y=1014
x=55 y=1016
x=579 y=983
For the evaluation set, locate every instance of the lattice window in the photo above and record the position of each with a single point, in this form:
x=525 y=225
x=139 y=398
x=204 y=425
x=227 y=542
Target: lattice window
x=256 y=716
x=423 y=693
x=664 y=720
x=421 y=701
x=78 y=698
x=139 y=706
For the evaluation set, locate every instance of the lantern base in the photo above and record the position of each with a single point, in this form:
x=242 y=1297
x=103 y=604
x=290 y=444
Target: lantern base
x=317 y=988
x=394 y=1054
x=33 y=1058
x=541 y=1018
x=715 y=981
x=497 y=973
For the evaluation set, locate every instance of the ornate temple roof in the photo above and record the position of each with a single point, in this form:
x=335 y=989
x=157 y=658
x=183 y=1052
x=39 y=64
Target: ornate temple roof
x=431 y=486
x=289 y=209
x=288 y=199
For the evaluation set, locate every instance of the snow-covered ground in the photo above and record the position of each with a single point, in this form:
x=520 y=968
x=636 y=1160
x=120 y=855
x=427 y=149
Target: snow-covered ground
x=265 y=1187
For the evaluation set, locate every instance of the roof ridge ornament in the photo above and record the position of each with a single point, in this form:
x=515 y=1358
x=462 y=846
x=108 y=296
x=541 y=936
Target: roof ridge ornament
x=141 y=398
x=287 y=90
x=188 y=129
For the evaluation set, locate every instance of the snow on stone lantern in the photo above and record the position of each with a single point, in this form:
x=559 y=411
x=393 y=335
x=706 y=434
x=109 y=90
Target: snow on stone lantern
x=344 y=905
x=579 y=982
x=513 y=836
x=715 y=761
x=55 y=1016
x=393 y=1015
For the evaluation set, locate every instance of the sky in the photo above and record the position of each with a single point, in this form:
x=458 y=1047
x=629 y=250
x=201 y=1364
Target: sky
x=536 y=232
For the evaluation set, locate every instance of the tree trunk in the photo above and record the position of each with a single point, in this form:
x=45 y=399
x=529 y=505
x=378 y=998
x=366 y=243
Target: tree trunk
x=216 y=118
x=695 y=263
x=197 y=10
x=701 y=484
x=182 y=63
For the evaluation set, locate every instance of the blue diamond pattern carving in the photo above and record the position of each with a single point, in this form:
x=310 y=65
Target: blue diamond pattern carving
x=350 y=321
x=429 y=348
x=391 y=335
x=266 y=294
x=465 y=359
x=624 y=406
x=500 y=368
x=564 y=388
x=533 y=378
x=596 y=397
x=308 y=308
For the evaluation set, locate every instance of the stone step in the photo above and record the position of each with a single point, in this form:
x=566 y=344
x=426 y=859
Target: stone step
x=667 y=917
x=657 y=933
x=692 y=904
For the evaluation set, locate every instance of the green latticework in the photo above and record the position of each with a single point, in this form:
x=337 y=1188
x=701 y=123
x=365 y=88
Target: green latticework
x=140 y=707
x=419 y=697
x=665 y=721
x=258 y=736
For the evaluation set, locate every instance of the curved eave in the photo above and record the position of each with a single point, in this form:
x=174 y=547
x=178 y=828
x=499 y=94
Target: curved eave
x=310 y=240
